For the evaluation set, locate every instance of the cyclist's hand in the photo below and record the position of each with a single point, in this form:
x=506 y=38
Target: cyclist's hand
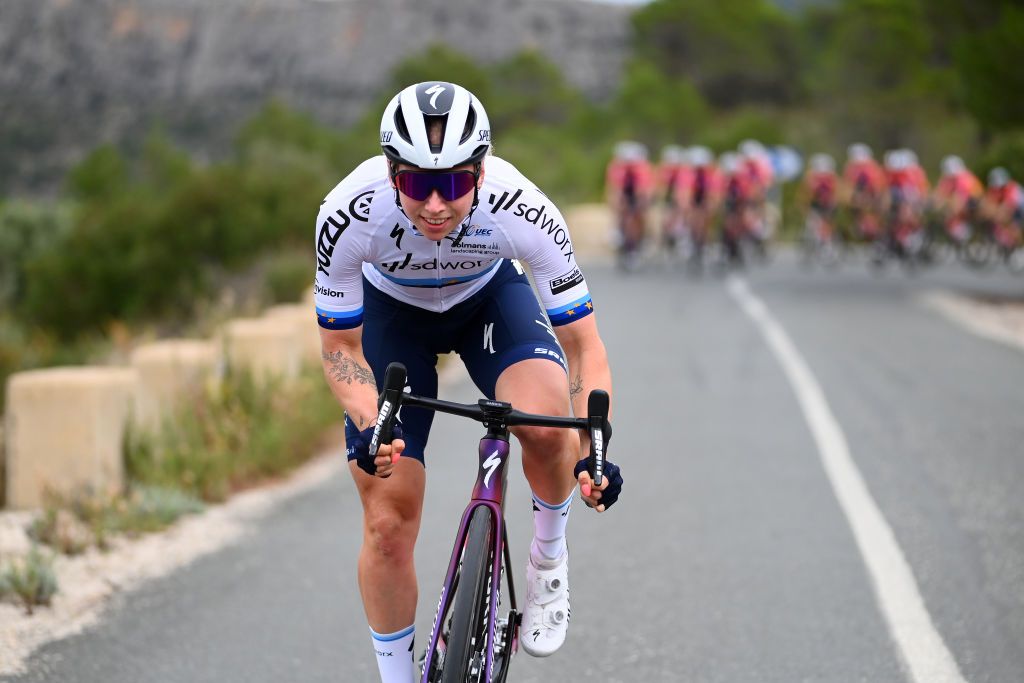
x=387 y=454
x=599 y=497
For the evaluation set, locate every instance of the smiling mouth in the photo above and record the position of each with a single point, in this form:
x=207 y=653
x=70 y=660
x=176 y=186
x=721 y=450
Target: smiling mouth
x=435 y=222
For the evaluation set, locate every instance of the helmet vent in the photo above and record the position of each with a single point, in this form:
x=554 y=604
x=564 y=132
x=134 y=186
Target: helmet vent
x=470 y=125
x=400 y=127
x=432 y=122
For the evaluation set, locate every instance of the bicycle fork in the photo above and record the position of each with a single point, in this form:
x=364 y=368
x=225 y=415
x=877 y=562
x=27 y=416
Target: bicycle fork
x=489 y=492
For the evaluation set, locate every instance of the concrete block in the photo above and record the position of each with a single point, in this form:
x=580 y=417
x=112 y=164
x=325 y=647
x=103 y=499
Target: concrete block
x=65 y=431
x=301 y=319
x=592 y=227
x=265 y=347
x=171 y=373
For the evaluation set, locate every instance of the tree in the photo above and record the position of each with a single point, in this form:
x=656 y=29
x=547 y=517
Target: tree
x=875 y=78
x=102 y=174
x=989 y=62
x=657 y=109
x=734 y=51
x=441 y=63
x=528 y=88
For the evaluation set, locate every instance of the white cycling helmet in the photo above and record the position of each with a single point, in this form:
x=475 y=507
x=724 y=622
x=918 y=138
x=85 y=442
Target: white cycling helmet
x=822 y=163
x=895 y=160
x=998 y=177
x=466 y=137
x=730 y=162
x=858 y=151
x=673 y=154
x=701 y=156
x=752 y=149
x=952 y=164
x=627 y=150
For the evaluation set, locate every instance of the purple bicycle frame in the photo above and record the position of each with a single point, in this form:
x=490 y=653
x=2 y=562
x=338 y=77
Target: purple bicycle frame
x=489 y=491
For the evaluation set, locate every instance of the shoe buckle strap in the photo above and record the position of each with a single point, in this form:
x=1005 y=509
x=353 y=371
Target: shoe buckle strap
x=548 y=590
x=556 y=616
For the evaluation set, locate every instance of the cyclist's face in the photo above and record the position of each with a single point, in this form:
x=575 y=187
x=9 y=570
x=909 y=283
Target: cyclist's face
x=435 y=216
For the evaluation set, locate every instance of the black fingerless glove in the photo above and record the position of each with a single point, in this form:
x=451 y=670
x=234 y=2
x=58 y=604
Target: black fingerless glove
x=611 y=473
x=359 y=447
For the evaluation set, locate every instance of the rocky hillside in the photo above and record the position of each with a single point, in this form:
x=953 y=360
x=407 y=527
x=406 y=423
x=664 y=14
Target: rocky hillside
x=74 y=73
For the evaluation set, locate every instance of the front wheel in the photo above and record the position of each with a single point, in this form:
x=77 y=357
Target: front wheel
x=467 y=638
x=1015 y=260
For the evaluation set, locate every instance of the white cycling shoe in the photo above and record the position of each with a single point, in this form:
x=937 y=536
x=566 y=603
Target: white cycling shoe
x=546 y=615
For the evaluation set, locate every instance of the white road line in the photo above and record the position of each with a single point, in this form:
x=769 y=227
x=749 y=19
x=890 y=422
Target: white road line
x=991 y=321
x=926 y=656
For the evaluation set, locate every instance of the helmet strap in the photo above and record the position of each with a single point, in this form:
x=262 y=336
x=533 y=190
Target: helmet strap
x=476 y=200
x=393 y=173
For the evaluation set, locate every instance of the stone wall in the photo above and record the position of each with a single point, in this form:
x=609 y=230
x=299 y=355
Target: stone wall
x=64 y=427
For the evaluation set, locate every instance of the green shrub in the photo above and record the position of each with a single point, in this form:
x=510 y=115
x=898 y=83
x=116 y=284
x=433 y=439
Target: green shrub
x=235 y=435
x=25 y=231
x=1007 y=150
x=288 y=275
x=71 y=525
x=31 y=580
x=151 y=508
x=57 y=528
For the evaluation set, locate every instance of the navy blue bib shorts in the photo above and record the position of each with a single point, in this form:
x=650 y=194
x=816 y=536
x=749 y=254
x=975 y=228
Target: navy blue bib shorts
x=498 y=326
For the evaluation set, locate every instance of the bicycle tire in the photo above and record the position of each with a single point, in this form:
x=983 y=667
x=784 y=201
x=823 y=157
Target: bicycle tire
x=471 y=597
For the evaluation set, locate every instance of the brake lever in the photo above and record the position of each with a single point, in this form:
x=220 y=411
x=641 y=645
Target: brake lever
x=388 y=404
x=597 y=415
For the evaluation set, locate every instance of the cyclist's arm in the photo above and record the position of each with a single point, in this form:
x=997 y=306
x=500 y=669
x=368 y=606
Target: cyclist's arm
x=588 y=363
x=349 y=375
x=612 y=189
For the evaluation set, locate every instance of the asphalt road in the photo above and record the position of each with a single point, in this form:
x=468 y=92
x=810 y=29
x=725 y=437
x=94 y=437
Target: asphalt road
x=729 y=557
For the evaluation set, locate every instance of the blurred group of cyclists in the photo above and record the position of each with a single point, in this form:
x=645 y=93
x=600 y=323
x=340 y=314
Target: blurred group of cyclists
x=732 y=203
x=893 y=208
x=702 y=200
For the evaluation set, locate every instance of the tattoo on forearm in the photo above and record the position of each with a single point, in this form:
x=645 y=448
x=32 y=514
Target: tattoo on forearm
x=345 y=369
x=361 y=421
x=576 y=387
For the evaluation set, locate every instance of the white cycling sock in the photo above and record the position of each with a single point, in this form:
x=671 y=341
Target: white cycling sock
x=549 y=523
x=395 y=654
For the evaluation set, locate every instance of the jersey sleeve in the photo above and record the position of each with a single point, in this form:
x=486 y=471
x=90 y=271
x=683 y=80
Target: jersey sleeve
x=543 y=242
x=341 y=240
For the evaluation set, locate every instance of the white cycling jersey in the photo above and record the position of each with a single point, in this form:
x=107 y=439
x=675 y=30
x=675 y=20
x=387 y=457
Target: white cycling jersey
x=360 y=230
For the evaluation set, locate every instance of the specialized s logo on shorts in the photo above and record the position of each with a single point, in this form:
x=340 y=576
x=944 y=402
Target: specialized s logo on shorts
x=489 y=337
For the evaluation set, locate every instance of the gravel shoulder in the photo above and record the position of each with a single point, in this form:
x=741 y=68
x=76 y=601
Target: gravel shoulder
x=89 y=580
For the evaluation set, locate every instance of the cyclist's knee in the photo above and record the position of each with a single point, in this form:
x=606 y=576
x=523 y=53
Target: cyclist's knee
x=540 y=438
x=546 y=445
x=390 y=534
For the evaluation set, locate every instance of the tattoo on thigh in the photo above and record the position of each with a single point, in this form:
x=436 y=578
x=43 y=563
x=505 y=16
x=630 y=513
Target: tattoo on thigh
x=576 y=388
x=345 y=368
